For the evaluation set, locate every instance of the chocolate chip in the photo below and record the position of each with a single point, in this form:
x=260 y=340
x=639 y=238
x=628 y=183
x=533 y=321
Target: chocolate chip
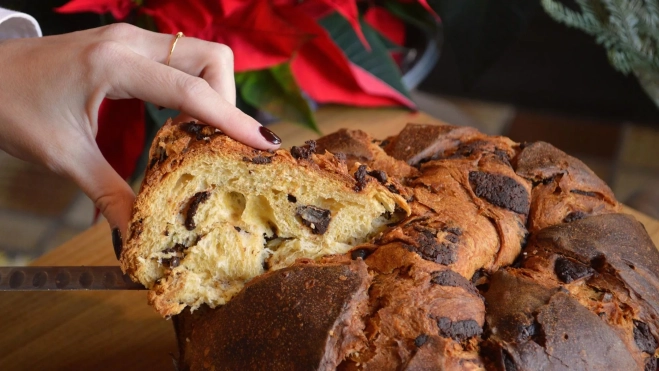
x=453 y=279
x=360 y=177
x=197 y=199
x=292 y=198
x=568 y=270
x=340 y=156
x=420 y=340
x=360 y=253
x=315 y=218
x=459 y=330
x=304 y=152
x=260 y=160
x=429 y=249
x=237 y=228
x=194 y=128
x=454 y=230
x=174 y=262
x=584 y=193
x=392 y=189
x=380 y=175
x=502 y=156
x=643 y=337
x=575 y=215
x=651 y=364
x=500 y=190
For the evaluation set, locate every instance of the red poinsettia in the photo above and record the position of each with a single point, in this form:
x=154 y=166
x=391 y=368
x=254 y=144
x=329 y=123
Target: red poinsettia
x=262 y=34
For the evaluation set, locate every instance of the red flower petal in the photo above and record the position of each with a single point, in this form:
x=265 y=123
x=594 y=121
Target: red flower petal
x=324 y=72
x=121 y=133
x=118 y=8
x=386 y=23
x=190 y=17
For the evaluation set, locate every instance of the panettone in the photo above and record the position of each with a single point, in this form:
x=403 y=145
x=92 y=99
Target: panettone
x=457 y=251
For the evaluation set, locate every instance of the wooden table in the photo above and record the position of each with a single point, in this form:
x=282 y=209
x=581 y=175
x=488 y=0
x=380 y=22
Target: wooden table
x=118 y=330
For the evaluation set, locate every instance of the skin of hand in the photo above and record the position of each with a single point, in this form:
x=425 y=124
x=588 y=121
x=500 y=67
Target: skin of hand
x=51 y=89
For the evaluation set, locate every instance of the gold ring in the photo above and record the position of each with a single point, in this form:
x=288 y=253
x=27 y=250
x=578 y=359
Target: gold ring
x=171 y=51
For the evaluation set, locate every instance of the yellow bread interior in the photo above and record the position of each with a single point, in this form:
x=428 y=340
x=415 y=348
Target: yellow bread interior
x=250 y=221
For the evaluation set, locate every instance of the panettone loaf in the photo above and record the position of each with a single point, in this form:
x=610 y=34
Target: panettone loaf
x=214 y=213
x=472 y=252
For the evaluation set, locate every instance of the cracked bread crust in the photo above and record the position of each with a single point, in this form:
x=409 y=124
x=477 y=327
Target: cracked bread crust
x=213 y=213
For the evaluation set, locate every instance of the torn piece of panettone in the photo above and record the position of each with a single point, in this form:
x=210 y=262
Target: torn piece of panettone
x=214 y=213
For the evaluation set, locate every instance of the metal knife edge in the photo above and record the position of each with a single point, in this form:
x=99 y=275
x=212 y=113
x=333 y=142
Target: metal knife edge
x=65 y=278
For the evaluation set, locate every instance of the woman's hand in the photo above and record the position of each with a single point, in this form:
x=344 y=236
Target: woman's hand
x=51 y=89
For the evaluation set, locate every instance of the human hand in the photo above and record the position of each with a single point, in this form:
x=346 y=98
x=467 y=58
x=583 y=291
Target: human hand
x=52 y=88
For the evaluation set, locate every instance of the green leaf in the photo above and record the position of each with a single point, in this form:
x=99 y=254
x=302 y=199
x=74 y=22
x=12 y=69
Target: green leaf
x=377 y=61
x=413 y=13
x=275 y=91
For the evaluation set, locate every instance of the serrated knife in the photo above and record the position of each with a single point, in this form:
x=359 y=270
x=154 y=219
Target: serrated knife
x=65 y=279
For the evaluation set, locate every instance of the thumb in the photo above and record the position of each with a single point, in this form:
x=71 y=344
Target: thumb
x=109 y=192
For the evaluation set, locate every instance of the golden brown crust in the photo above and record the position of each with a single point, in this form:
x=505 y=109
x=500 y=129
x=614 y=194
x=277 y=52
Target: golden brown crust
x=471 y=198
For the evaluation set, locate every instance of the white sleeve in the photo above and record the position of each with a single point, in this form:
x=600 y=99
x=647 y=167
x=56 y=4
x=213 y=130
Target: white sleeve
x=16 y=25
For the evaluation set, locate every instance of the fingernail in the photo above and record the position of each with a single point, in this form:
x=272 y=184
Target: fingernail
x=269 y=135
x=117 y=243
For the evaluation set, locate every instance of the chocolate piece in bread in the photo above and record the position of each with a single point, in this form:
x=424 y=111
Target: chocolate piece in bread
x=298 y=318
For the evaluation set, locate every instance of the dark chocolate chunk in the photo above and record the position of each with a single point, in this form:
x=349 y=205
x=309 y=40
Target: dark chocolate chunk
x=429 y=249
x=197 y=199
x=304 y=152
x=643 y=337
x=651 y=364
x=340 y=156
x=459 y=330
x=380 y=175
x=502 y=156
x=315 y=218
x=568 y=270
x=392 y=189
x=292 y=198
x=453 y=279
x=575 y=215
x=174 y=262
x=360 y=253
x=454 y=230
x=193 y=128
x=420 y=340
x=258 y=160
x=584 y=193
x=237 y=228
x=360 y=177
x=500 y=190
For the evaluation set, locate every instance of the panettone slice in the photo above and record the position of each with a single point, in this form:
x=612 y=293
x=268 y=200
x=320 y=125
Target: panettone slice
x=214 y=213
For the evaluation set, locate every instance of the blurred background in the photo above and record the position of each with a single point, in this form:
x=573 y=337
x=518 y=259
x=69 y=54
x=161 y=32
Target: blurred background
x=504 y=67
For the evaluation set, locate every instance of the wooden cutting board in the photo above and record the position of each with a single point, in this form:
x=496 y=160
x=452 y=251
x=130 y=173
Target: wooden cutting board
x=107 y=330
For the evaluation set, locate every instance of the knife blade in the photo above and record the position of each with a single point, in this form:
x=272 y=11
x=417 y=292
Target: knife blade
x=65 y=279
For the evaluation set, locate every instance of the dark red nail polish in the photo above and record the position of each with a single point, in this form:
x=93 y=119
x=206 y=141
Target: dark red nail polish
x=269 y=135
x=117 y=243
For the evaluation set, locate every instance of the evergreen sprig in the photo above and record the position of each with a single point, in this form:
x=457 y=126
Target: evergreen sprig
x=628 y=29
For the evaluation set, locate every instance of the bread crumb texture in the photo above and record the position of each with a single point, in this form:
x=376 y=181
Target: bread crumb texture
x=214 y=213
